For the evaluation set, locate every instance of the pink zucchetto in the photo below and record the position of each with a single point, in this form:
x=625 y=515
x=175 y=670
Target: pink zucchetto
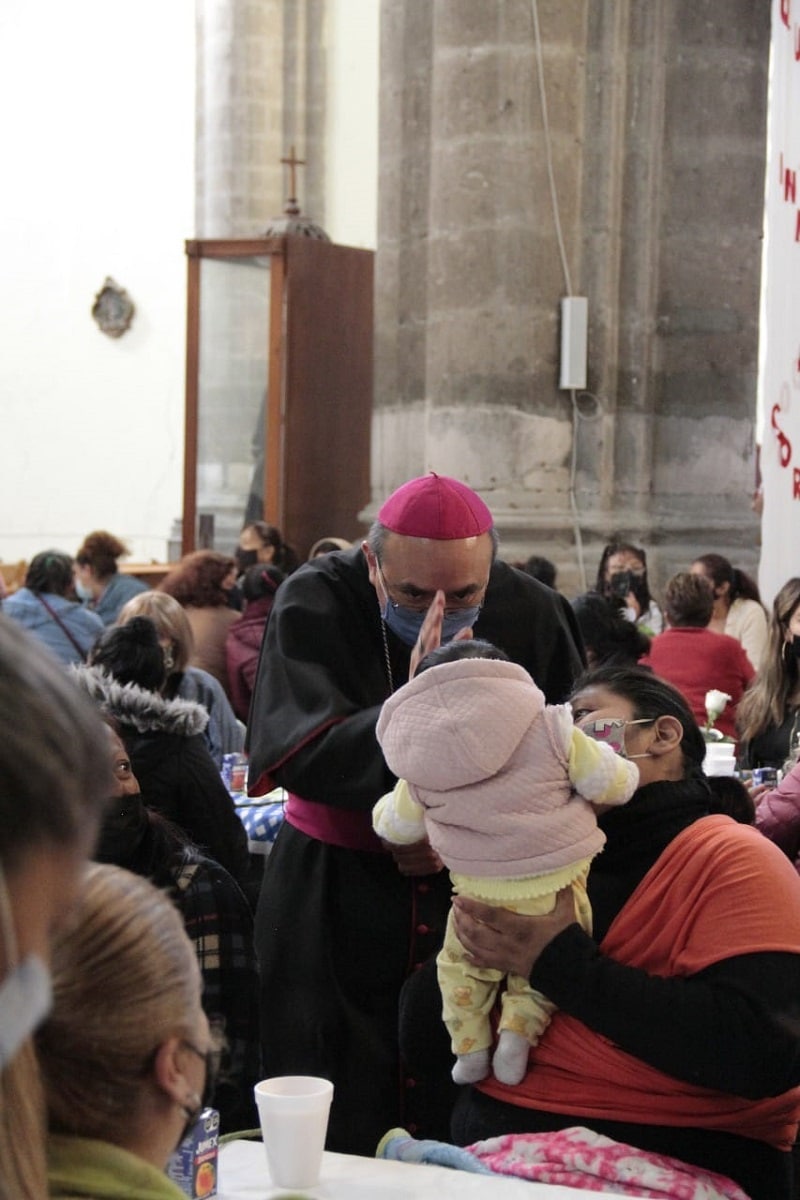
x=435 y=506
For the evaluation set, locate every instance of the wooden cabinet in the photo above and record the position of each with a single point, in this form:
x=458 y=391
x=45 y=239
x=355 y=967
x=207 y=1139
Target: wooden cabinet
x=279 y=384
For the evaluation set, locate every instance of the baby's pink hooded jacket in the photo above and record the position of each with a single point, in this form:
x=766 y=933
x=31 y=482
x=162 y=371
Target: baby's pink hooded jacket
x=487 y=759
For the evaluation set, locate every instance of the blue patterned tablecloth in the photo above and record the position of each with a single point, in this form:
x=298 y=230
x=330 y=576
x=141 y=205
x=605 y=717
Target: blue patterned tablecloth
x=262 y=817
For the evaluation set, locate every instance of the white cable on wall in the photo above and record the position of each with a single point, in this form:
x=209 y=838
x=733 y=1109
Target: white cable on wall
x=577 y=416
x=548 y=149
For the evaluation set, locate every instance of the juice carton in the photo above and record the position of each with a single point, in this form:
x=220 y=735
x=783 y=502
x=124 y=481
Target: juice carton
x=193 y=1166
x=234 y=772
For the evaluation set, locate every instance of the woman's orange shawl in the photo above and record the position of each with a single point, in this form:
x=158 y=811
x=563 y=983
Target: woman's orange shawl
x=717 y=891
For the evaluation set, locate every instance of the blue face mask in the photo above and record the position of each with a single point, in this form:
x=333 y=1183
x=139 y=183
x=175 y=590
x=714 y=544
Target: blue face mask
x=26 y=991
x=83 y=592
x=406 y=623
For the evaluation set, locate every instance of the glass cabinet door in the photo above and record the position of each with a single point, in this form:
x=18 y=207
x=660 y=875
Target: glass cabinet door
x=228 y=366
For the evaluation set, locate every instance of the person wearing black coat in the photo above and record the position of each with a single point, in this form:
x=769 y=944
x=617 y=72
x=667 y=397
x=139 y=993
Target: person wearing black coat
x=340 y=923
x=176 y=773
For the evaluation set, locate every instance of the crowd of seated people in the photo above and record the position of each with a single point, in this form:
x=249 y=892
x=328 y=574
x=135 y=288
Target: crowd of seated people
x=67 y=602
x=168 y=722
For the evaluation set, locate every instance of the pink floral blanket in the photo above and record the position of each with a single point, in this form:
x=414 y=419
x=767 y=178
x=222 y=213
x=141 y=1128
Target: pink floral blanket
x=574 y=1157
x=579 y=1158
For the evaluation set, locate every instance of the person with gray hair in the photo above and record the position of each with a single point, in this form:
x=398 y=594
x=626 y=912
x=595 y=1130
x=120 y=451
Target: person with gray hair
x=345 y=631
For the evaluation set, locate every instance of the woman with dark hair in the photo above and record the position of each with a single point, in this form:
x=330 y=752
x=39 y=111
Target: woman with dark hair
x=676 y=1028
x=243 y=645
x=540 y=568
x=47 y=607
x=608 y=638
x=201 y=583
x=738 y=611
x=164 y=739
x=263 y=543
x=622 y=578
x=98 y=581
x=768 y=717
x=223 y=734
x=217 y=918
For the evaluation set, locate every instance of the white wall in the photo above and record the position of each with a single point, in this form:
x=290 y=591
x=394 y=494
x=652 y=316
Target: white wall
x=97 y=109
x=96 y=147
x=351 y=152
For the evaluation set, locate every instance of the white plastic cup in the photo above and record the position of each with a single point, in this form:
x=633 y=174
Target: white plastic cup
x=293 y=1111
x=720 y=758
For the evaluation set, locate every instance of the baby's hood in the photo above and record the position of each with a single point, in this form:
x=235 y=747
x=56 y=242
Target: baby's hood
x=458 y=723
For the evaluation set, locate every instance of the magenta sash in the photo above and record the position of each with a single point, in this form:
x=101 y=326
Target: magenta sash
x=349 y=828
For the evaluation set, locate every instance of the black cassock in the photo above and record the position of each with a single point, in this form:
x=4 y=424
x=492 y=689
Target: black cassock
x=338 y=929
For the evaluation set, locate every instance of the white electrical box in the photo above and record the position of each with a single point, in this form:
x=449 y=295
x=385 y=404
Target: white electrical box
x=574 y=331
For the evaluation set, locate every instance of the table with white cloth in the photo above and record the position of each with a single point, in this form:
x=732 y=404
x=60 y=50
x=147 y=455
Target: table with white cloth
x=244 y=1175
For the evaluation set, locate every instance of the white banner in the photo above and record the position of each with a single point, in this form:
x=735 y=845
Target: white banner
x=780 y=349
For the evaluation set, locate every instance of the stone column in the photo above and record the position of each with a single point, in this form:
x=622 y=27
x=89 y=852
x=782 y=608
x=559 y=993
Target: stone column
x=674 y=153
x=261 y=88
x=655 y=124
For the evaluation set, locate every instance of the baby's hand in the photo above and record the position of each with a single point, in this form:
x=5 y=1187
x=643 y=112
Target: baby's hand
x=419 y=858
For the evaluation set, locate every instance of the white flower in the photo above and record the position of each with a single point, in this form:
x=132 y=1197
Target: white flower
x=715 y=705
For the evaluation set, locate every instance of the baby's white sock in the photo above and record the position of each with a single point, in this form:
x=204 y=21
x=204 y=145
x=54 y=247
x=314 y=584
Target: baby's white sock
x=510 y=1060
x=471 y=1068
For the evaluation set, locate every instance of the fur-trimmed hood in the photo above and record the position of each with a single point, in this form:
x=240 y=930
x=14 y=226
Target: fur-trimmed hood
x=144 y=711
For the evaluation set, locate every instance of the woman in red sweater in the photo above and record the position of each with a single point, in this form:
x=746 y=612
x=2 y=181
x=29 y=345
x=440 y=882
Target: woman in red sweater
x=693 y=658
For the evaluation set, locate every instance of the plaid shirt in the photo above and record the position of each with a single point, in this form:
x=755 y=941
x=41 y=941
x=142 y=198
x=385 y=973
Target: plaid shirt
x=219 y=922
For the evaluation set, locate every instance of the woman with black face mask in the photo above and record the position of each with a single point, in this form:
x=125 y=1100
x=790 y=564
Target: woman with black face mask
x=622 y=579
x=217 y=919
x=126 y=1055
x=768 y=716
x=263 y=543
